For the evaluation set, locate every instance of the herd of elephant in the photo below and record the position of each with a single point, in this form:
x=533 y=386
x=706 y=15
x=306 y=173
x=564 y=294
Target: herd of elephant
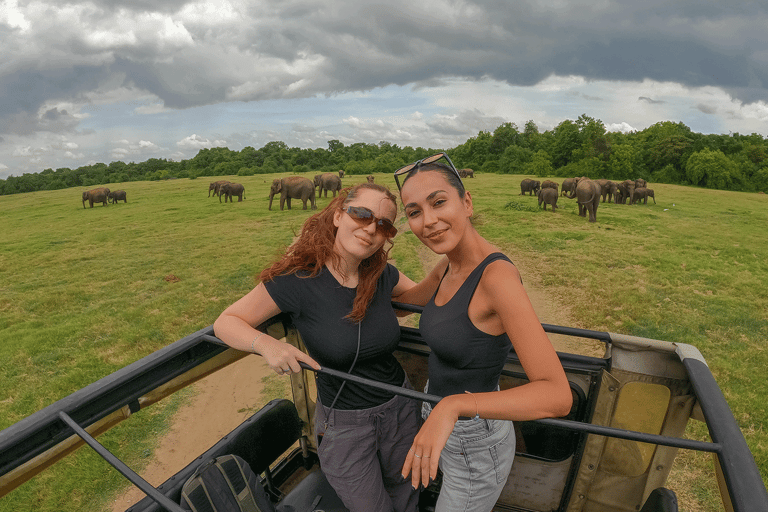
x=588 y=193
x=103 y=195
x=290 y=187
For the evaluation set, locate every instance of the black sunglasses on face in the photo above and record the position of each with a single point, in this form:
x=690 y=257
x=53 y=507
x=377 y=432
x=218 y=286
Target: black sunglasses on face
x=364 y=216
x=428 y=160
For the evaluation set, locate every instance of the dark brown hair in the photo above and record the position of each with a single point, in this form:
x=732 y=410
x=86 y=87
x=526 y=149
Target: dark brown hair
x=314 y=247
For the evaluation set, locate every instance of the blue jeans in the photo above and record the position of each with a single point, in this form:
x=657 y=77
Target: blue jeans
x=475 y=462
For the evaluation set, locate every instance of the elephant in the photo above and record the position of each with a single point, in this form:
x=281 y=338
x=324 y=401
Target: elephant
x=569 y=184
x=215 y=186
x=587 y=194
x=641 y=183
x=232 y=189
x=117 y=195
x=97 y=195
x=549 y=184
x=327 y=181
x=466 y=173
x=643 y=193
x=627 y=191
x=529 y=185
x=605 y=189
x=548 y=195
x=341 y=173
x=296 y=187
x=369 y=178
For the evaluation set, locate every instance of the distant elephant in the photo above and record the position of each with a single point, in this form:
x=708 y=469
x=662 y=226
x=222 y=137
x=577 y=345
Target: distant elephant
x=587 y=195
x=641 y=183
x=549 y=184
x=97 y=195
x=605 y=189
x=341 y=173
x=466 y=173
x=296 y=187
x=643 y=193
x=569 y=184
x=215 y=186
x=548 y=195
x=232 y=189
x=369 y=178
x=327 y=181
x=529 y=185
x=117 y=195
x=627 y=191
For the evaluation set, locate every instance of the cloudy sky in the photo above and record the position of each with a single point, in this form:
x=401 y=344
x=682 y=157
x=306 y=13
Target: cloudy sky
x=104 y=80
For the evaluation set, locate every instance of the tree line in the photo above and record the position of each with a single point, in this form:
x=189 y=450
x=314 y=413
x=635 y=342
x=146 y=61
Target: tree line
x=665 y=152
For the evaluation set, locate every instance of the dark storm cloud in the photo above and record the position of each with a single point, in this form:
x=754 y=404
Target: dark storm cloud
x=190 y=54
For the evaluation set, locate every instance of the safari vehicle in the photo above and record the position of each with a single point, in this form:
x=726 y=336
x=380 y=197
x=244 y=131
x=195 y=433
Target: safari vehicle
x=613 y=452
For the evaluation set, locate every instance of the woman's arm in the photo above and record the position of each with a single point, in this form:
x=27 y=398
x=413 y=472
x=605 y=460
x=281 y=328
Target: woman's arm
x=547 y=394
x=420 y=293
x=235 y=327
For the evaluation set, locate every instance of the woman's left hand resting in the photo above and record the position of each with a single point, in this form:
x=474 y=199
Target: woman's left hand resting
x=424 y=455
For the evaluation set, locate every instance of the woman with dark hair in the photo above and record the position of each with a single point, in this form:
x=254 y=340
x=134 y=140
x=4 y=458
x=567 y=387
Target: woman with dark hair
x=475 y=311
x=337 y=286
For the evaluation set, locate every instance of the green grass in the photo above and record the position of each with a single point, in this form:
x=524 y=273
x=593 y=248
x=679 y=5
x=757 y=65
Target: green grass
x=83 y=293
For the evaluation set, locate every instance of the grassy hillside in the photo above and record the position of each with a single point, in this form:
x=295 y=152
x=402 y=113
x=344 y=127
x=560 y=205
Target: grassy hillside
x=87 y=291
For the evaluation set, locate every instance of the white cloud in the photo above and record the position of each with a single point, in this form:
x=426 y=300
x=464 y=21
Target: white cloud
x=3 y=167
x=619 y=127
x=11 y=15
x=195 y=141
x=73 y=156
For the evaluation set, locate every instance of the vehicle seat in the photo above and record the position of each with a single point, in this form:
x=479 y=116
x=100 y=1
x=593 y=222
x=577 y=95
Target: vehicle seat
x=660 y=500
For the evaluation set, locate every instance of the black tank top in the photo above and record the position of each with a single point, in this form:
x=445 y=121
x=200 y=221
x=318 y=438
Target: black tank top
x=463 y=357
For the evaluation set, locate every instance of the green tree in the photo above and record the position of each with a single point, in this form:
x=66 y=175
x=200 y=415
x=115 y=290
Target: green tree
x=712 y=169
x=540 y=164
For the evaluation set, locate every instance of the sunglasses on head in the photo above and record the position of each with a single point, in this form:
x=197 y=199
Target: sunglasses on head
x=364 y=216
x=428 y=160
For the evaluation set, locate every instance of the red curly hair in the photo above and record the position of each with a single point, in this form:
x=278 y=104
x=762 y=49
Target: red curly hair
x=314 y=247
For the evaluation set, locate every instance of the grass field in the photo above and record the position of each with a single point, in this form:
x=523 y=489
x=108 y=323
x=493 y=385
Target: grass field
x=87 y=291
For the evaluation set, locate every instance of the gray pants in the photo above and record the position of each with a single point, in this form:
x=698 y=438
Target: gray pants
x=475 y=462
x=362 y=453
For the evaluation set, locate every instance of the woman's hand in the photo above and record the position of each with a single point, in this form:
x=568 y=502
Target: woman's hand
x=424 y=455
x=283 y=357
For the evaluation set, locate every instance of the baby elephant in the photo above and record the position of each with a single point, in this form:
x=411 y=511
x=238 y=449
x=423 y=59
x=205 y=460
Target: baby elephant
x=548 y=196
x=643 y=193
x=116 y=195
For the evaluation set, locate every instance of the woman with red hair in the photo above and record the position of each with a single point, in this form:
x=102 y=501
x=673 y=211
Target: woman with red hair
x=336 y=284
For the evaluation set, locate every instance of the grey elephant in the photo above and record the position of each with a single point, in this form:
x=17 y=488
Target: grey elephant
x=341 y=173
x=548 y=196
x=96 y=195
x=117 y=195
x=466 y=173
x=549 y=184
x=232 y=189
x=641 y=183
x=215 y=186
x=627 y=188
x=605 y=189
x=327 y=181
x=529 y=185
x=587 y=195
x=369 y=178
x=569 y=184
x=643 y=193
x=293 y=187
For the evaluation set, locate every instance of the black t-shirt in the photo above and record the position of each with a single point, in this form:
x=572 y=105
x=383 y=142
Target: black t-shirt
x=317 y=307
x=463 y=357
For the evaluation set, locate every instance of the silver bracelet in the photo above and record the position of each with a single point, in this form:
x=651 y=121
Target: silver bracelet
x=253 y=350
